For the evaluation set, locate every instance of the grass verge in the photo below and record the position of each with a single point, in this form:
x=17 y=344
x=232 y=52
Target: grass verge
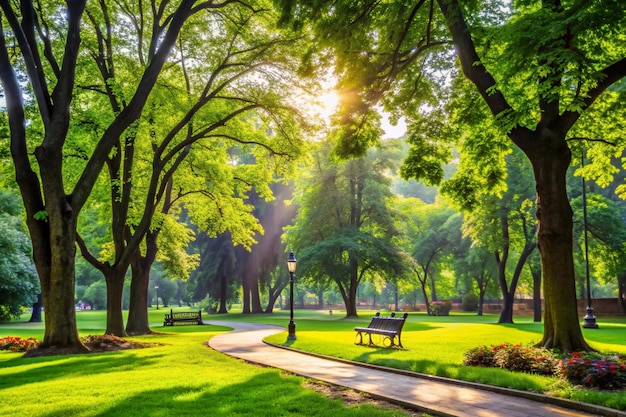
x=182 y=376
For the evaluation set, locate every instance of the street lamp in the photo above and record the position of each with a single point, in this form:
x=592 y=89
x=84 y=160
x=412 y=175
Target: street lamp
x=589 y=319
x=291 y=266
x=156 y=289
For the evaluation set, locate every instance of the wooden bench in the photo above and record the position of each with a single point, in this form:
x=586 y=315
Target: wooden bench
x=187 y=317
x=388 y=329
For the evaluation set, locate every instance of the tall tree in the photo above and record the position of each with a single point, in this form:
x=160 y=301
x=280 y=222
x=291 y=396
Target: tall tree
x=505 y=225
x=346 y=224
x=191 y=118
x=538 y=67
x=431 y=232
x=43 y=47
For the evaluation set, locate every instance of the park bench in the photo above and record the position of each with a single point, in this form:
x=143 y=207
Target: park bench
x=387 y=329
x=190 y=317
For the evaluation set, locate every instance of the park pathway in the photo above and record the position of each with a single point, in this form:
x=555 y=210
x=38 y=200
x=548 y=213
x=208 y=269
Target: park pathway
x=429 y=394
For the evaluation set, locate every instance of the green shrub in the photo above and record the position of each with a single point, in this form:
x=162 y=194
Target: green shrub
x=529 y=359
x=480 y=356
x=469 y=302
x=440 y=308
x=516 y=358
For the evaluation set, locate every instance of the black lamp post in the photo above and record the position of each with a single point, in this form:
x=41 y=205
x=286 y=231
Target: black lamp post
x=156 y=289
x=291 y=266
x=589 y=319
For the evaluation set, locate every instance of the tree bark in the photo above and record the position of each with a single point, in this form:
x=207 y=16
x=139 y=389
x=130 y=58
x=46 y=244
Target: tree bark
x=550 y=163
x=138 y=323
x=115 y=288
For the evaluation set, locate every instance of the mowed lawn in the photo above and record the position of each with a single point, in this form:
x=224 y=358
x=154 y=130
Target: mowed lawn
x=182 y=376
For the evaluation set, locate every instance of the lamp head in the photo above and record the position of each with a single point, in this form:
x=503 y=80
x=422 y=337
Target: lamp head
x=291 y=262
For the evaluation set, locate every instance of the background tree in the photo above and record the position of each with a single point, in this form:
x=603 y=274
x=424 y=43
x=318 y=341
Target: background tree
x=430 y=233
x=18 y=277
x=345 y=222
x=192 y=124
x=505 y=225
x=479 y=265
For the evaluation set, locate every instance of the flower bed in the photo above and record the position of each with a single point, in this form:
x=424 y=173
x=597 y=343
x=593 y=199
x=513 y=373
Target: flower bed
x=588 y=369
x=18 y=344
x=594 y=370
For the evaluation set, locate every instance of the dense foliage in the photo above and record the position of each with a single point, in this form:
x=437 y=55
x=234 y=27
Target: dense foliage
x=18 y=278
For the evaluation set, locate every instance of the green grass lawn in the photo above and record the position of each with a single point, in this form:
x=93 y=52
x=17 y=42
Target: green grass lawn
x=436 y=346
x=181 y=377
x=184 y=377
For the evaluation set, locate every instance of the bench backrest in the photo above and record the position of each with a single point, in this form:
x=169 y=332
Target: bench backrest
x=392 y=323
x=184 y=314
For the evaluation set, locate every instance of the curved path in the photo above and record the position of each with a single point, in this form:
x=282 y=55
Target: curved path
x=433 y=395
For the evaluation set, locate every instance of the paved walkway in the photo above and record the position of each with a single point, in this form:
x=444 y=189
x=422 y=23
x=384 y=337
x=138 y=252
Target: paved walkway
x=429 y=394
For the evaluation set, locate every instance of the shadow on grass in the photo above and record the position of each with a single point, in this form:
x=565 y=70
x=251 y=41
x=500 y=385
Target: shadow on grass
x=49 y=368
x=266 y=394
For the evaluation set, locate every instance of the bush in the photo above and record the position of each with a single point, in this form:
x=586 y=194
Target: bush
x=529 y=359
x=440 y=308
x=594 y=370
x=469 y=302
x=480 y=356
x=588 y=369
x=516 y=358
x=18 y=344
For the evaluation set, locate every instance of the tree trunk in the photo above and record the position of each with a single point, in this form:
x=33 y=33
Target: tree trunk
x=506 y=314
x=255 y=299
x=425 y=294
x=115 y=289
x=562 y=328
x=138 y=323
x=223 y=308
x=57 y=285
x=621 y=281
x=536 y=273
x=35 y=316
x=433 y=289
x=481 y=300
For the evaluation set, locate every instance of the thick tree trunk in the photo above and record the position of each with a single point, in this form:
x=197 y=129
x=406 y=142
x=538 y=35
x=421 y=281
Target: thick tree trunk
x=506 y=314
x=562 y=328
x=115 y=288
x=255 y=299
x=58 y=281
x=138 y=323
